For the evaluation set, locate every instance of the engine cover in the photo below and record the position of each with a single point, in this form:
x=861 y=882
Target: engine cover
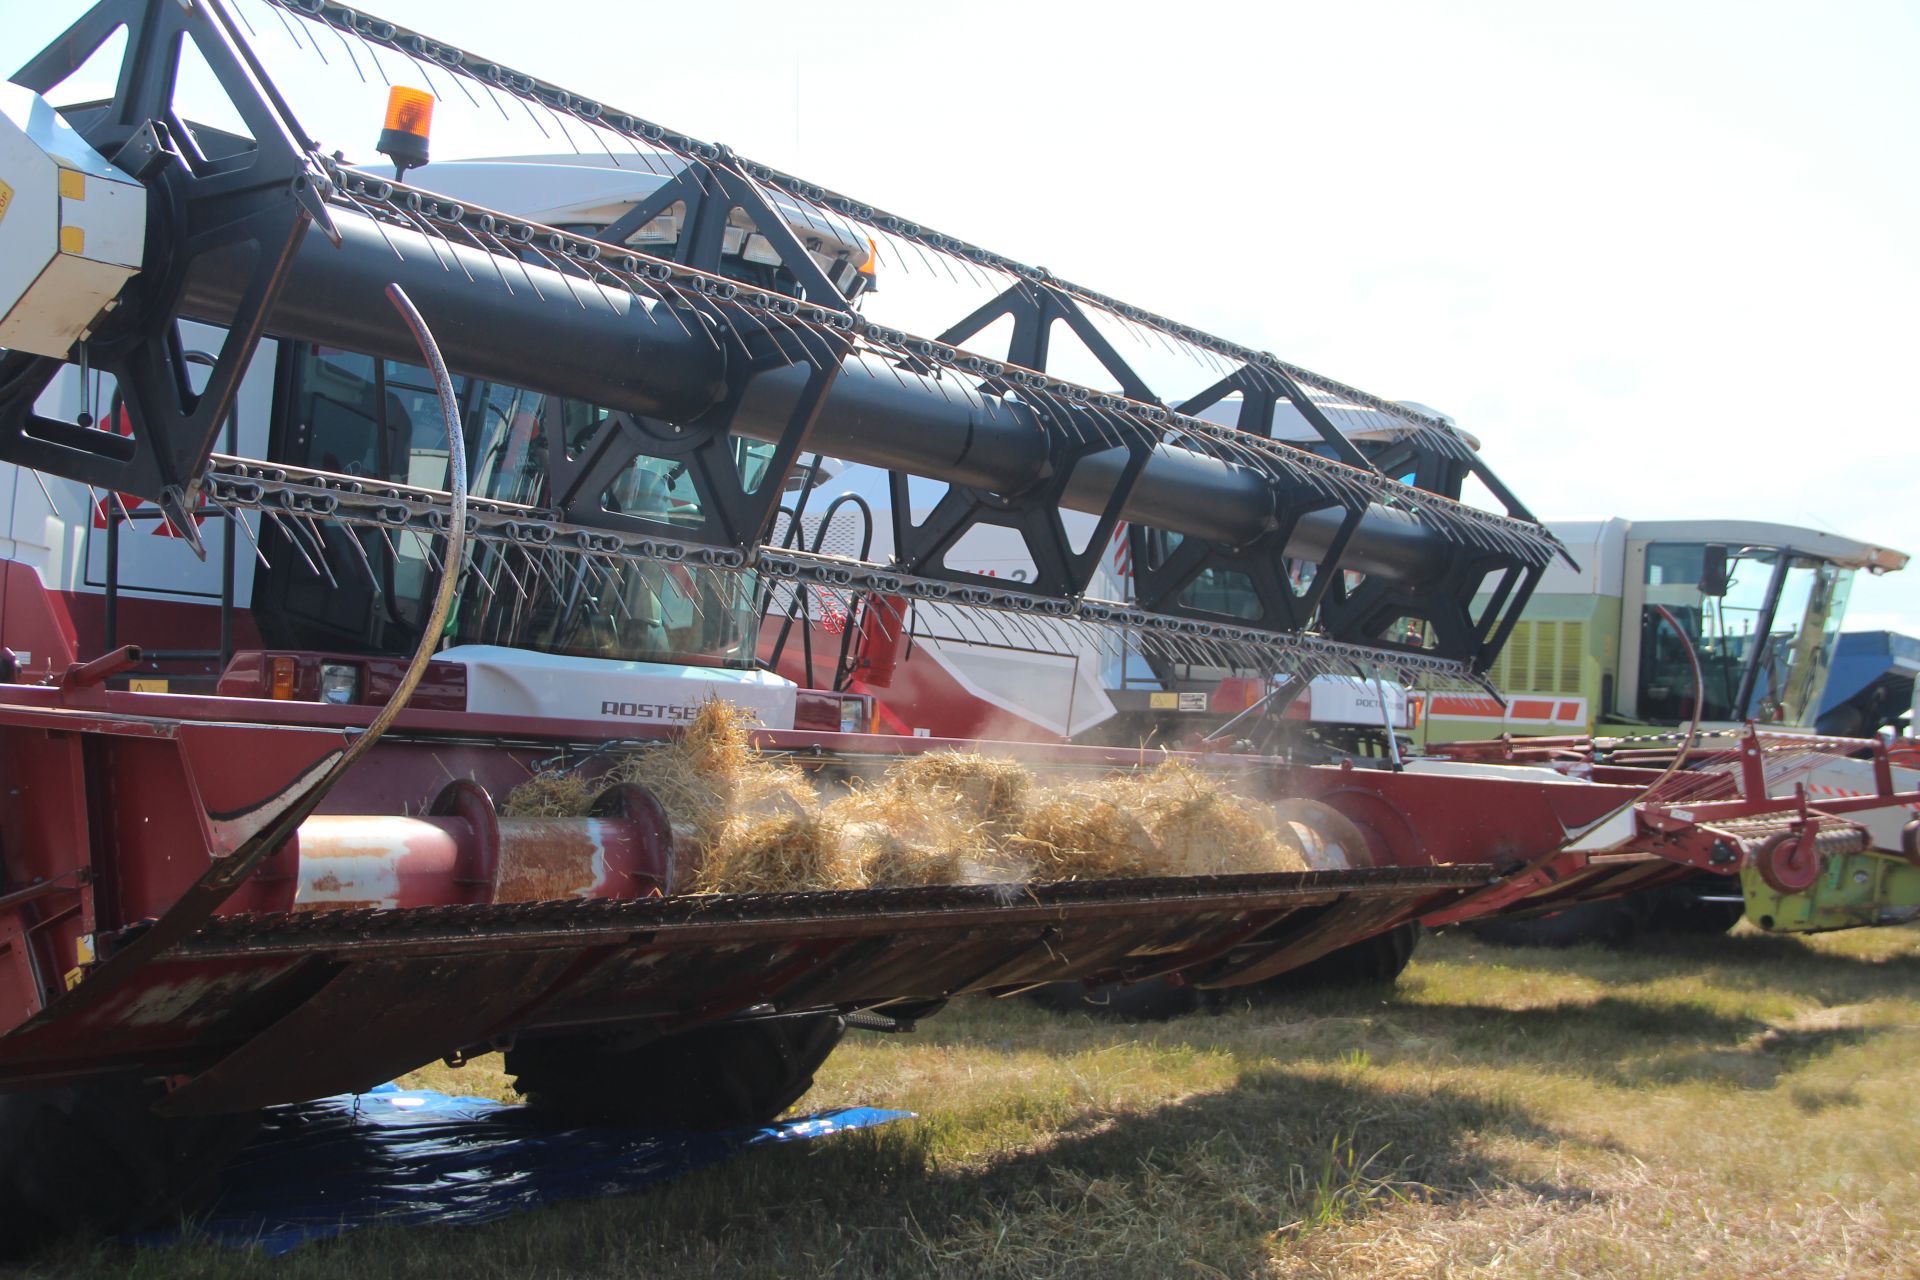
x=515 y=682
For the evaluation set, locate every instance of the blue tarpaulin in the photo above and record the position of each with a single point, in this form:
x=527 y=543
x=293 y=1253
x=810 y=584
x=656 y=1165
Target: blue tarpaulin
x=410 y=1156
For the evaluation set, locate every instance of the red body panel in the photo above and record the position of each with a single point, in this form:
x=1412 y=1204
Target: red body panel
x=133 y=796
x=405 y=919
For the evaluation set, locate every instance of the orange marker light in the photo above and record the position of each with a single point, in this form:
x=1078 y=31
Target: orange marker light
x=403 y=136
x=872 y=265
x=281 y=678
x=409 y=111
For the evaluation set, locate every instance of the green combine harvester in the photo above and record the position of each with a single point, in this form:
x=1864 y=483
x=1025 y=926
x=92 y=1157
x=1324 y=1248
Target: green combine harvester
x=1593 y=671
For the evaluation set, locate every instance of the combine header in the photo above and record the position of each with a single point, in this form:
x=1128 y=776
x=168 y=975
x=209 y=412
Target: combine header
x=488 y=492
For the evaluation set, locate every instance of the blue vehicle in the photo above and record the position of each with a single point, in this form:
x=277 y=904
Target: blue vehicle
x=1871 y=686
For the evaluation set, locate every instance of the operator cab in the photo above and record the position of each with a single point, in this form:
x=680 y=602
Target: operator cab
x=1761 y=605
x=1763 y=621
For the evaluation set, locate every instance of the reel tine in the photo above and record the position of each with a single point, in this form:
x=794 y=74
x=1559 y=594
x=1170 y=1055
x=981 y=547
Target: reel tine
x=479 y=577
x=506 y=567
x=288 y=28
x=46 y=493
x=1032 y=627
x=432 y=234
x=386 y=538
x=293 y=540
x=566 y=278
x=344 y=44
x=427 y=552
x=238 y=516
x=352 y=538
x=494 y=248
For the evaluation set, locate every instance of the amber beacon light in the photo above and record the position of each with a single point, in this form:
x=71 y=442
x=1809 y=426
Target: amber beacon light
x=403 y=136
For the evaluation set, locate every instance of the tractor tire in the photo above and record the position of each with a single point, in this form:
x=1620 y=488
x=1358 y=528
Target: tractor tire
x=1677 y=908
x=1609 y=922
x=1376 y=961
x=723 y=1076
x=95 y=1157
x=1152 y=1000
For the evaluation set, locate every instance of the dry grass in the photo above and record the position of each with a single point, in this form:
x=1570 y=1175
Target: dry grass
x=1086 y=832
x=1202 y=827
x=988 y=790
x=939 y=818
x=750 y=823
x=1714 y=1108
x=553 y=794
x=778 y=853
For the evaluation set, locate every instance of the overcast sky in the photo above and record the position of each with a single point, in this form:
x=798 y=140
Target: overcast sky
x=1659 y=258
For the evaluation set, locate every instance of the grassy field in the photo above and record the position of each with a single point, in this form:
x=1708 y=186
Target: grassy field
x=1727 y=1107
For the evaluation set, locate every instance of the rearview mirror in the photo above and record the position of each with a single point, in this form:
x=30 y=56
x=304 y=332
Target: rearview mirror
x=1713 y=571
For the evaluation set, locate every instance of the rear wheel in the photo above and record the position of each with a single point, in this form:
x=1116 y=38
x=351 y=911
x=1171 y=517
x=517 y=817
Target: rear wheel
x=1610 y=922
x=1375 y=961
x=1684 y=908
x=716 y=1077
x=1681 y=907
x=95 y=1157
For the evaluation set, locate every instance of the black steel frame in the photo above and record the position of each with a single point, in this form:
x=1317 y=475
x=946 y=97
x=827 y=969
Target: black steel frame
x=258 y=201
x=213 y=193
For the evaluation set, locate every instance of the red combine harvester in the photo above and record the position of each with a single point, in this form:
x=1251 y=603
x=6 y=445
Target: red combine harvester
x=472 y=494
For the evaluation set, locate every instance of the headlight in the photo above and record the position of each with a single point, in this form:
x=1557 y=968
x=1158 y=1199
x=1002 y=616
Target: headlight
x=339 y=682
x=853 y=715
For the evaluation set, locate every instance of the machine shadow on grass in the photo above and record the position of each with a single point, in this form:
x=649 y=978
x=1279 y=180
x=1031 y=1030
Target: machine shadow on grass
x=1217 y=1178
x=1214 y=1179
x=1624 y=1039
x=1744 y=961
x=1620 y=1041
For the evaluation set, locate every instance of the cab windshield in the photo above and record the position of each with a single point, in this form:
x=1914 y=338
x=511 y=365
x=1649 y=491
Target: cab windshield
x=1764 y=628
x=1791 y=669
x=352 y=414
